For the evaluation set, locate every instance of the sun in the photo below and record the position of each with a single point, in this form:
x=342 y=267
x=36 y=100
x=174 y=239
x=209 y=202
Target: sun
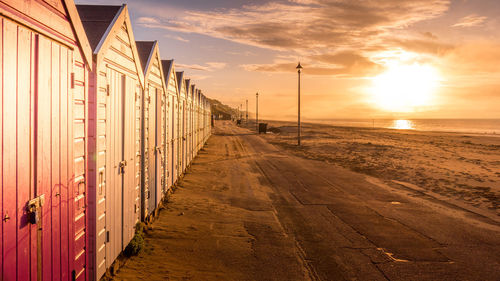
x=405 y=87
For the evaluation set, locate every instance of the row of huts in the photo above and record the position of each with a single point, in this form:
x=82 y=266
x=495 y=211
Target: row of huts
x=95 y=128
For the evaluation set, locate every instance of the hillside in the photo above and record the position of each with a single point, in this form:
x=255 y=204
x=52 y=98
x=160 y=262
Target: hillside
x=222 y=111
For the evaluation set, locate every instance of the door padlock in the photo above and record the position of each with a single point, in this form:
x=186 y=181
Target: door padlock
x=34 y=209
x=34 y=216
x=121 y=167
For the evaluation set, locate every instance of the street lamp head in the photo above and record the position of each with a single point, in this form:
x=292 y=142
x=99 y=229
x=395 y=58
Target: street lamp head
x=257 y=94
x=299 y=67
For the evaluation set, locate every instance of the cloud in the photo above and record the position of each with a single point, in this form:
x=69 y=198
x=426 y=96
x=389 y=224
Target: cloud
x=147 y=21
x=216 y=65
x=178 y=38
x=421 y=46
x=305 y=25
x=193 y=66
x=209 y=66
x=336 y=36
x=470 y=21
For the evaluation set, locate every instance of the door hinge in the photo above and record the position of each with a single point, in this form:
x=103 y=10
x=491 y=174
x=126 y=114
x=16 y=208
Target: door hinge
x=107 y=236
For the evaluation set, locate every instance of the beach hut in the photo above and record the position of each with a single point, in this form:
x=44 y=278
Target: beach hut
x=182 y=121
x=115 y=101
x=189 y=105
x=44 y=66
x=205 y=119
x=173 y=120
x=153 y=127
x=195 y=121
x=199 y=134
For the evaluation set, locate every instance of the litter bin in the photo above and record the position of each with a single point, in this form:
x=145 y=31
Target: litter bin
x=263 y=128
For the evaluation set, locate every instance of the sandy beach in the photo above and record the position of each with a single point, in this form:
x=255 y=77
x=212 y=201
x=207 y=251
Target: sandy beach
x=461 y=167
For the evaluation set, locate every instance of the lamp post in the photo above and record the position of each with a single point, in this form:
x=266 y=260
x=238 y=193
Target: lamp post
x=247 y=112
x=257 y=111
x=299 y=68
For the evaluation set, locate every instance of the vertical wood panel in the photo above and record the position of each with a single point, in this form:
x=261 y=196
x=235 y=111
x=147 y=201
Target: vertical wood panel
x=55 y=172
x=23 y=157
x=2 y=231
x=44 y=151
x=108 y=167
x=66 y=141
x=9 y=151
x=159 y=154
x=33 y=80
x=151 y=152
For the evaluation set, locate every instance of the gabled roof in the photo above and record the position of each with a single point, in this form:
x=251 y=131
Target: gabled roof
x=188 y=88
x=96 y=19
x=149 y=53
x=145 y=50
x=168 y=66
x=101 y=23
x=180 y=79
x=79 y=31
x=193 y=87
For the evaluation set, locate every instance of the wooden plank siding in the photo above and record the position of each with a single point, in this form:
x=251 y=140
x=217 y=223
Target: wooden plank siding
x=154 y=131
x=42 y=152
x=84 y=125
x=182 y=123
x=115 y=106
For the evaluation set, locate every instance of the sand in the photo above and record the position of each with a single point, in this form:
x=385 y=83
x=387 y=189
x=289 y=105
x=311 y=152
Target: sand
x=457 y=166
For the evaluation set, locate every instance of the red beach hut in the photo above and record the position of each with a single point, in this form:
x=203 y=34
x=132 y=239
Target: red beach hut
x=45 y=60
x=115 y=106
x=154 y=127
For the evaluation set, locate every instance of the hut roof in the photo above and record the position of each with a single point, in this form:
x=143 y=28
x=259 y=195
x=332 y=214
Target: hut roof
x=144 y=48
x=188 y=83
x=167 y=66
x=180 y=76
x=96 y=20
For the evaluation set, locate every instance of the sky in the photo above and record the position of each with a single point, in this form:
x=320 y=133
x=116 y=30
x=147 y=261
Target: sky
x=360 y=58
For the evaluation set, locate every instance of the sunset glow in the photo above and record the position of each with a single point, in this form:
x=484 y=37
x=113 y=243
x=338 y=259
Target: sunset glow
x=442 y=55
x=405 y=88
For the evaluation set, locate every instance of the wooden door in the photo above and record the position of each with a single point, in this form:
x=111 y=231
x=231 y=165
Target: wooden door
x=163 y=137
x=152 y=155
x=115 y=162
x=158 y=146
x=175 y=149
x=130 y=172
x=37 y=160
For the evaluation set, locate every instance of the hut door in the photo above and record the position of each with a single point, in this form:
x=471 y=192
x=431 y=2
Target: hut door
x=174 y=140
x=36 y=168
x=159 y=149
x=152 y=151
x=163 y=157
x=117 y=164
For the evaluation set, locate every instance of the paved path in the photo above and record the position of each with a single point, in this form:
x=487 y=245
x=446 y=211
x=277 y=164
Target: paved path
x=248 y=211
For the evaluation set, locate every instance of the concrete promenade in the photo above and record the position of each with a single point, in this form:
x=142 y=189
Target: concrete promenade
x=249 y=211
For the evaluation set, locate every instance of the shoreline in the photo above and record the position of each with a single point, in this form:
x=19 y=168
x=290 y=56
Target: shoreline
x=495 y=133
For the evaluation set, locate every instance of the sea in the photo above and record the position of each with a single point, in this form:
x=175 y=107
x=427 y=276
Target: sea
x=471 y=126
